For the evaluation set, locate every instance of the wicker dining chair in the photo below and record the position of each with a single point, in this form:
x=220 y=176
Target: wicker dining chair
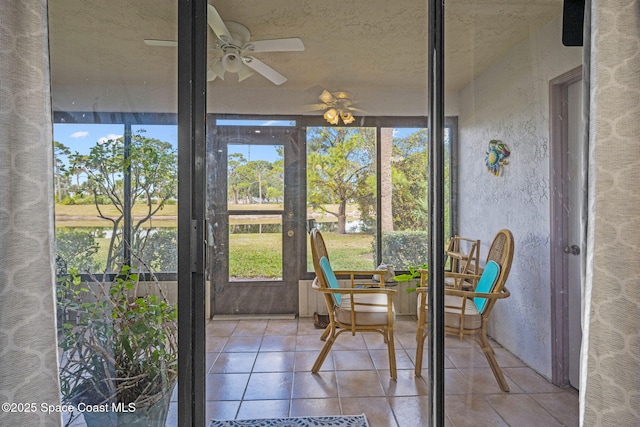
x=364 y=306
x=467 y=312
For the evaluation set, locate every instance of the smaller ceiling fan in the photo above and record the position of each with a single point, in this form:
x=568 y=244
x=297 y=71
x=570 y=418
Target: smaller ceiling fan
x=235 y=51
x=337 y=106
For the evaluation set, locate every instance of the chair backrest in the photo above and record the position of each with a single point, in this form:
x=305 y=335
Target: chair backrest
x=487 y=282
x=464 y=254
x=318 y=251
x=501 y=252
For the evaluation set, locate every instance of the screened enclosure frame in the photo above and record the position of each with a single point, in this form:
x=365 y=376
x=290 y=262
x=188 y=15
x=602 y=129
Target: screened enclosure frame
x=127 y=120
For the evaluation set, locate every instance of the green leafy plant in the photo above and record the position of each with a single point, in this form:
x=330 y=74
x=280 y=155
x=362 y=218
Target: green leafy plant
x=119 y=340
x=152 y=168
x=414 y=273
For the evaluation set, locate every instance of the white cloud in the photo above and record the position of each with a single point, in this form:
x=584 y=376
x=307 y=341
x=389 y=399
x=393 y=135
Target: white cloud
x=108 y=137
x=79 y=134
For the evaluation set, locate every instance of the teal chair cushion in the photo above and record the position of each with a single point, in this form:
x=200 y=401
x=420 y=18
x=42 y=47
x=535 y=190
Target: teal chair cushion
x=486 y=283
x=330 y=277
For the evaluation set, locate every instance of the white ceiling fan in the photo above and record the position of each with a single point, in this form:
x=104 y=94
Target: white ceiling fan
x=235 y=51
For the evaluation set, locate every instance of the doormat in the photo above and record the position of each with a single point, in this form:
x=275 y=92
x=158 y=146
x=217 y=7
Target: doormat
x=327 y=421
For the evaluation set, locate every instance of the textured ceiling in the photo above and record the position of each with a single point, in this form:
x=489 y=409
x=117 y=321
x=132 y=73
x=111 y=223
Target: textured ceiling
x=375 y=49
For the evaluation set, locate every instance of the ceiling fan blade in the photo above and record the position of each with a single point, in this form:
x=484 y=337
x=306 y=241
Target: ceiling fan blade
x=314 y=107
x=311 y=91
x=275 y=45
x=326 y=97
x=217 y=24
x=167 y=43
x=264 y=69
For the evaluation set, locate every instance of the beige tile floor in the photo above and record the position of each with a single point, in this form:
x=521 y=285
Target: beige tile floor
x=261 y=369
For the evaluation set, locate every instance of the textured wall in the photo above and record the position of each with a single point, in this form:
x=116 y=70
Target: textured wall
x=28 y=356
x=610 y=390
x=510 y=102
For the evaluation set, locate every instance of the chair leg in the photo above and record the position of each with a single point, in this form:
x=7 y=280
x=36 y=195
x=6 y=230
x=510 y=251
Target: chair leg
x=420 y=337
x=323 y=354
x=325 y=333
x=419 y=355
x=392 y=353
x=491 y=358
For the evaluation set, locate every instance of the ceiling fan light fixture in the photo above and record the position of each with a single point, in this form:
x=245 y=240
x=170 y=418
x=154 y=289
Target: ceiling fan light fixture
x=346 y=117
x=336 y=106
x=218 y=69
x=232 y=62
x=332 y=116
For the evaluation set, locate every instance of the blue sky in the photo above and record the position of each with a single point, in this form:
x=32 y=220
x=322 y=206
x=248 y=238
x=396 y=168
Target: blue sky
x=255 y=152
x=81 y=137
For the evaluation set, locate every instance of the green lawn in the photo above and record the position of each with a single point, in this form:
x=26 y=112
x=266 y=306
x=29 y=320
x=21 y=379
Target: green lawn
x=259 y=255
x=250 y=255
x=87 y=215
x=254 y=255
x=347 y=251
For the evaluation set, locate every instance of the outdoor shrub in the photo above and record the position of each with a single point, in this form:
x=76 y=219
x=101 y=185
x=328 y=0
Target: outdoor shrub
x=160 y=248
x=403 y=249
x=77 y=249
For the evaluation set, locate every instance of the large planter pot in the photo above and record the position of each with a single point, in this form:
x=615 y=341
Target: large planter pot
x=148 y=416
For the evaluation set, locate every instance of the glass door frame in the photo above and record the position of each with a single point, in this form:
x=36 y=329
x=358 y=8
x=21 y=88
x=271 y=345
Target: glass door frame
x=435 y=89
x=192 y=105
x=280 y=295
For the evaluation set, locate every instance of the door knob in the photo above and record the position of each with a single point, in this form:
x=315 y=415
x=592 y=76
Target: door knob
x=573 y=250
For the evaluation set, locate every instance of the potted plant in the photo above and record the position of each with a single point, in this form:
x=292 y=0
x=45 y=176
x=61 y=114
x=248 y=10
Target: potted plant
x=119 y=349
x=414 y=273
